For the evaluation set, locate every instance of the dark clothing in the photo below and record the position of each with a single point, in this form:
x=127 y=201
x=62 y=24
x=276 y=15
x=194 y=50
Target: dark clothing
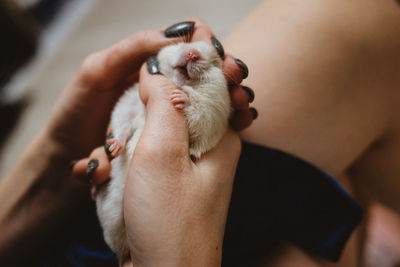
x=276 y=197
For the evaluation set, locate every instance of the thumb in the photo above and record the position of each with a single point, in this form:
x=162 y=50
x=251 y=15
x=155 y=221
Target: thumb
x=165 y=131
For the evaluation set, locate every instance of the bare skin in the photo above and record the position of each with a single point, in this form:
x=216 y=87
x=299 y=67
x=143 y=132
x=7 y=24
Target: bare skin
x=325 y=92
x=41 y=198
x=326 y=75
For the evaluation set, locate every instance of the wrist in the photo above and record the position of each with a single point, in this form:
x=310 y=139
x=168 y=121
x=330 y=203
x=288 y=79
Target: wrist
x=33 y=195
x=196 y=244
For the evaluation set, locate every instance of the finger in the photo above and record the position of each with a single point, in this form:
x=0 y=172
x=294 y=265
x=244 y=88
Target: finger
x=165 y=133
x=108 y=137
x=241 y=119
x=241 y=96
x=118 y=64
x=95 y=169
x=203 y=33
x=234 y=72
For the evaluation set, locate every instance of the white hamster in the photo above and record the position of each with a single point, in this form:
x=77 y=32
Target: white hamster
x=203 y=97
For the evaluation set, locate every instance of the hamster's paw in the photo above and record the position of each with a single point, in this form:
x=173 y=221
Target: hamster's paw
x=115 y=147
x=179 y=99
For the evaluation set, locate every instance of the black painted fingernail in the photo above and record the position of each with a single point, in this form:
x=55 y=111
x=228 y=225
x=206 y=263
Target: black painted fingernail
x=218 y=46
x=106 y=145
x=244 y=68
x=107 y=149
x=92 y=165
x=250 y=92
x=152 y=65
x=179 y=29
x=255 y=113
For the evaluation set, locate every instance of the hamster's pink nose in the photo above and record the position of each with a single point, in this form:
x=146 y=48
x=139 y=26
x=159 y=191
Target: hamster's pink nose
x=193 y=55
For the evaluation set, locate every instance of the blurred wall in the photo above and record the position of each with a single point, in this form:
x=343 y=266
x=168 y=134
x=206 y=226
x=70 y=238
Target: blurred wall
x=104 y=24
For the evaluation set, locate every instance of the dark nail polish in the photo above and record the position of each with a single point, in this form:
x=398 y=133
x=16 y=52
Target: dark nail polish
x=152 y=65
x=106 y=145
x=179 y=29
x=110 y=136
x=107 y=149
x=218 y=46
x=244 y=68
x=92 y=165
x=250 y=92
x=255 y=113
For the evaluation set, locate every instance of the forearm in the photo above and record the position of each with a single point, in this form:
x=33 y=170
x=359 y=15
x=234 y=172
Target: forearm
x=32 y=196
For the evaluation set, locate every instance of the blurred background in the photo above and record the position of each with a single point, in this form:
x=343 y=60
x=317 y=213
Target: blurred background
x=44 y=42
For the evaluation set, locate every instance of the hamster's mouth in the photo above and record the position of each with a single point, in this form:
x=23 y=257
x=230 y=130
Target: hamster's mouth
x=183 y=71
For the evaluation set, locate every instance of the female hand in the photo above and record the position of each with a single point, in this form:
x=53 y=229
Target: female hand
x=175 y=210
x=40 y=186
x=235 y=71
x=169 y=199
x=82 y=112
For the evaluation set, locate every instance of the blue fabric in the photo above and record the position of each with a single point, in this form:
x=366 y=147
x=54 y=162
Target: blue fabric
x=276 y=197
x=279 y=197
x=89 y=250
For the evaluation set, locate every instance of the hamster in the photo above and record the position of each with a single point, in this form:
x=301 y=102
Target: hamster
x=203 y=97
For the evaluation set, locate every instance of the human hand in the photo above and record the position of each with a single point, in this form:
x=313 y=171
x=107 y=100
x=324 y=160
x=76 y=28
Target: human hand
x=77 y=123
x=169 y=199
x=82 y=112
x=235 y=74
x=235 y=71
x=40 y=186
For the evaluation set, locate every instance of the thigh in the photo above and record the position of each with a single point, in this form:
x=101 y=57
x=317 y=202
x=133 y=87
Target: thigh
x=324 y=74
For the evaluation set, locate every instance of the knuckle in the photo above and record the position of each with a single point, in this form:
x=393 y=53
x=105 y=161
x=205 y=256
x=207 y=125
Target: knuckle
x=170 y=155
x=232 y=71
x=148 y=150
x=91 y=67
x=141 y=38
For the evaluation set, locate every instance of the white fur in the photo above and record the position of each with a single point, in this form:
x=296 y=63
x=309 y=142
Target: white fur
x=207 y=117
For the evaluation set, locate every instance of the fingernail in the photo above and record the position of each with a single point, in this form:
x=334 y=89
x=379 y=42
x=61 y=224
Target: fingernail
x=72 y=164
x=255 y=113
x=218 y=46
x=152 y=65
x=106 y=145
x=92 y=165
x=107 y=149
x=250 y=92
x=110 y=136
x=179 y=29
x=244 y=68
